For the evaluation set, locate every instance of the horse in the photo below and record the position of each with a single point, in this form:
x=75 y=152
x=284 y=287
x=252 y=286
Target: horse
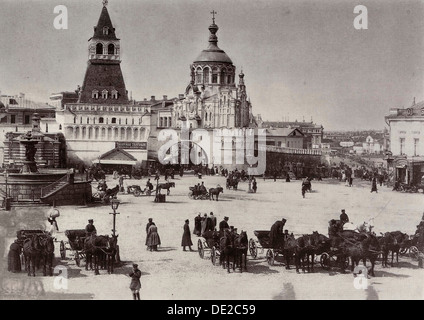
x=32 y=253
x=227 y=250
x=96 y=247
x=110 y=252
x=368 y=248
x=305 y=249
x=47 y=245
x=166 y=186
x=215 y=191
x=392 y=241
x=241 y=243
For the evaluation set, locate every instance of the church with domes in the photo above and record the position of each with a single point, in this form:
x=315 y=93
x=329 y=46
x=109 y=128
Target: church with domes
x=213 y=99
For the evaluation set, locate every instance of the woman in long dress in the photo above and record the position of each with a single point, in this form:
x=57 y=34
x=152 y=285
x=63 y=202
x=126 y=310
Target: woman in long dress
x=374 y=185
x=14 y=257
x=153 y=239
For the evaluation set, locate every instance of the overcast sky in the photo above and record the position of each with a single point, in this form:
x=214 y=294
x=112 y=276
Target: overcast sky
x=301 y=59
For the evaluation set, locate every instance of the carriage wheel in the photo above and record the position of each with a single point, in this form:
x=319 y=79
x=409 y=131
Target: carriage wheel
x=403 y=250
x=200 y=248
x=414 y=252
x=324 y=260
x=253 y=249
x=62 y=250
x=137 y=193
x=270 y=257
x=213 y=255
x=77 y=258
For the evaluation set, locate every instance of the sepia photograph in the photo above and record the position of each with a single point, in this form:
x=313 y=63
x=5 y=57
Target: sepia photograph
x=223 y=152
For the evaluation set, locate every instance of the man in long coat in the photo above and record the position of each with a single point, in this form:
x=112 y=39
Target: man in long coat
x=135 y=284
x=186 y=240
x=223 y=225
x=213 y=220
x=276 y=234
x=197 y=225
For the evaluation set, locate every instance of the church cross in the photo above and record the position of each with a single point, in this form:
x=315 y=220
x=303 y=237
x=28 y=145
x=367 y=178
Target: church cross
x=213 y=13
x=105 y=2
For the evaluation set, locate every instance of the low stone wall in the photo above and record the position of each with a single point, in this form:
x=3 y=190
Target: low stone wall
x=78 y=193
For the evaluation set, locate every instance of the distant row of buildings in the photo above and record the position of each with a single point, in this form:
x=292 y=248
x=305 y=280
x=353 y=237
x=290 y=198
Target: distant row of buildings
x=99 y=123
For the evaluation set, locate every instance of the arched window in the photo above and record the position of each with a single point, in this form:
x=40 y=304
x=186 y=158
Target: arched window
x=105 y=30
x=229 y=79
x=104 y=94
x=223 y=76
x=206 y=116
x=95 y=94
x=60 y=127
x=114 y=94
x=99 y=48
x=215 y=75
x=101 y=120
x=111 y=49
x=206 y=76
x=198 y=75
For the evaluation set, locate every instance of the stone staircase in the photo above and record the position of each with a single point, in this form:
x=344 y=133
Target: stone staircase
x=54 y=187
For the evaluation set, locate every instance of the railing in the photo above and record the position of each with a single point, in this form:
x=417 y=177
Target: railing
x=291 y=150
x=48 y=189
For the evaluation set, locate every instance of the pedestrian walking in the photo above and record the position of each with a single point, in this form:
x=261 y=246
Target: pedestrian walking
x=135 y=284
x=254 y=185
x=153 y=239
x=374 y=185
x=121 y=183
x=186 y=240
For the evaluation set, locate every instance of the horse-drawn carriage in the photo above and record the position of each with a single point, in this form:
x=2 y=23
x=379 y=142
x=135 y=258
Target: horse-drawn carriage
x=209 y=243
x=137 y=191
x=232 y=183
x=223 y=247
x=104 y=196
x=103 y=249
x=315 y=246
x=37 y=246
x=197 y=194
x=263 y=242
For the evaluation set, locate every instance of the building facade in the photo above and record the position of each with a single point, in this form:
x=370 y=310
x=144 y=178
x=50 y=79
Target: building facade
x=406 y=157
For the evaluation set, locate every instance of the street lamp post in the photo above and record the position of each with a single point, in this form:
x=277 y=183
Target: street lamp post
x=115 y=205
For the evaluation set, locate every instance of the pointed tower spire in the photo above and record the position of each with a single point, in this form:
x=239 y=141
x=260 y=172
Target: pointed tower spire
x=104 y=82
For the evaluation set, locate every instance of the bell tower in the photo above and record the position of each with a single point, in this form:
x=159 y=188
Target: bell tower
x=104 y=82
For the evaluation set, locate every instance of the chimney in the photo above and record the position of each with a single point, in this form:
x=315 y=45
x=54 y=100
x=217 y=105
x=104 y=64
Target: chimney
x=145 y=99
x=152 y=98
x=181 y=96
x=165 y=97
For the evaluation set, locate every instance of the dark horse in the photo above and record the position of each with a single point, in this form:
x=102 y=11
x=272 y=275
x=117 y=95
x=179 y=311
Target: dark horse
x=47 y=245
x=368 y=248
x=241 y=243
x=304 y=250
x=392 y=241
x=32 y=253
x=96 y=248
x=166 y=186
x=227 y=250
x=215 y=191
